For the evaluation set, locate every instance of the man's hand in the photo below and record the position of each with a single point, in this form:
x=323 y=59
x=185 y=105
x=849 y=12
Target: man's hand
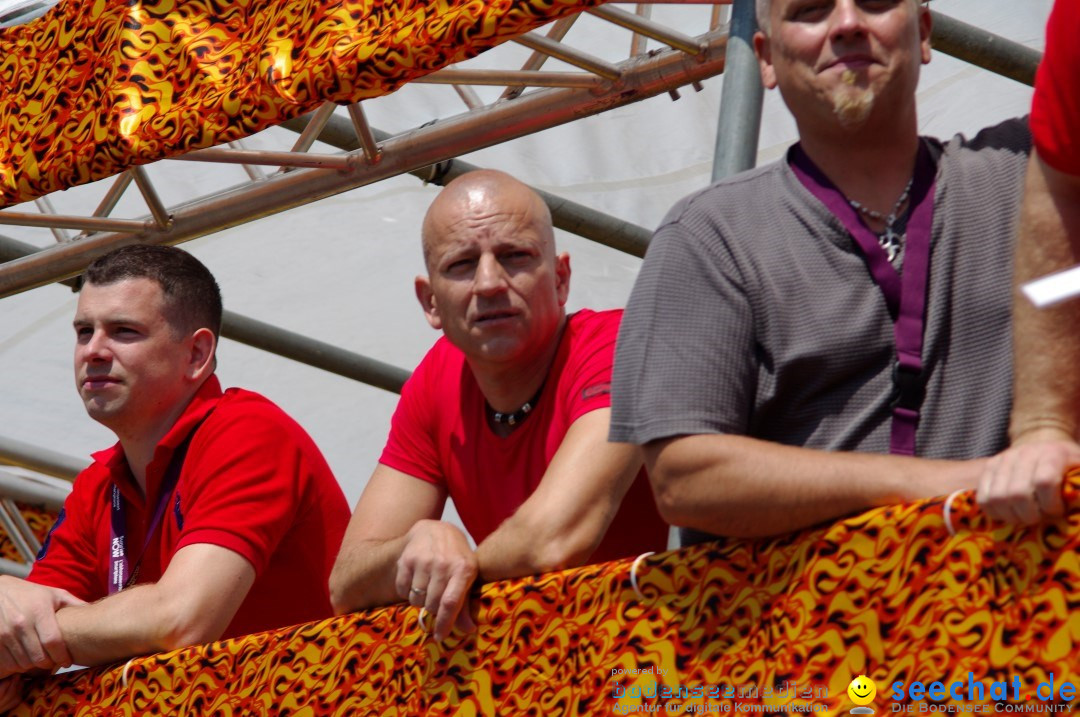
x=29 y=635
x=436 y=570
x=1023 y=483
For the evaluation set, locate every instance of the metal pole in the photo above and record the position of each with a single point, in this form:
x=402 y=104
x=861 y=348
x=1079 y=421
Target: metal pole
x=363 y=132
x=421 y=147
x=268 y=158
x=984 y=49
x=40 y=459
x=511 y=78
x=740 y=99
x=565 y=214
x=638 y=42
x=14 y=534
x=537 y=59
x=109 y=201
x=318 y=121
x=238 y=328
x=468 y=95
x=32 y=492
x=10 y=567
x=648 y=28
x=45 y=206
x=253 y=172
x=116 y=190
x=312 y=352
x=49 y=221
x=569 y=55
x=153 y=201
x=23 y=526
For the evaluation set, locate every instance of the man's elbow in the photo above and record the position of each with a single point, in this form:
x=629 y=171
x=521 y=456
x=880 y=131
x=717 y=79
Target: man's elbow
x=338 y=604
x=672 y=502
x=186 y=635
x=341 y=599
x=681 y=472
x=183 y=624
x=545 y=544
x=562 y=552
x=356 y=583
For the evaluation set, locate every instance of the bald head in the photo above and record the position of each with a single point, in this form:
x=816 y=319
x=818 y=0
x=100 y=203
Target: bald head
x=494 y=287
x=479 y=195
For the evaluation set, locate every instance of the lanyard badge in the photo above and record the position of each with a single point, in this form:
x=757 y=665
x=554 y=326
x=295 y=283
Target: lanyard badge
x=121 y=574
x=905 y=296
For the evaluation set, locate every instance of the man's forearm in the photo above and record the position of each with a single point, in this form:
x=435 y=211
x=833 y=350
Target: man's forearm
x=364 y=575
x=521 y=547
x=743 y=487
x=505 y=555
x=192 y=603
x=1046 y=341
x=133 y=622
x=510 y=553
x=561 y=524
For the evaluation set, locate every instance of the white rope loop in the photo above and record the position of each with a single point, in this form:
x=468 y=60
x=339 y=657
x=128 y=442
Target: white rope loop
x=633 y=574
x=946 y=512
x=124 y=674
x=420 y=620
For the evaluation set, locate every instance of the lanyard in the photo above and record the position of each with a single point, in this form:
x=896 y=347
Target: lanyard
x=119 y=575
x=905 y=296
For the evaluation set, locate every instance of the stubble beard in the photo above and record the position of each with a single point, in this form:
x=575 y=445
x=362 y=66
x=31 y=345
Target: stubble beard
x=851 y=104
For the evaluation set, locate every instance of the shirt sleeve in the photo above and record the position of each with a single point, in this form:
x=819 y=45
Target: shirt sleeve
x=410 y=447
x=589 y=388
x=67 y=558
x=1055 y=110
x=244 y=479
x=685 y=361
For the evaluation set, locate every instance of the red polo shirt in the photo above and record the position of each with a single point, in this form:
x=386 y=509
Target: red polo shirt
x=1055 y=111
x=253 y=482
x=439 y=433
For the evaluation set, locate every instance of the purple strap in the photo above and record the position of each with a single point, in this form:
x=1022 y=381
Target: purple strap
x=120 y=576
x=905 y=296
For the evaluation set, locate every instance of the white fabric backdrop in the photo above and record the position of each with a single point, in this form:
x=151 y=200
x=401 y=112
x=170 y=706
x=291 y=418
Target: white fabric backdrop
x=341 y=270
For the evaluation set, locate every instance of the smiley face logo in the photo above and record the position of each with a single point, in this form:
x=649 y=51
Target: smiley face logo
x=862 y=691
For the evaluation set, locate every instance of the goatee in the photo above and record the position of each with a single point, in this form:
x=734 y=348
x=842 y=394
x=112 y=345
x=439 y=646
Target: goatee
x=851 y=104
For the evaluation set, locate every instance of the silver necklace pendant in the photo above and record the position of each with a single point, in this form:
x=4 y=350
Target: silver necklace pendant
x=890 y=241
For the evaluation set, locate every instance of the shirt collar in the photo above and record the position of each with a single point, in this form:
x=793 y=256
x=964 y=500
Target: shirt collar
x=114 y=460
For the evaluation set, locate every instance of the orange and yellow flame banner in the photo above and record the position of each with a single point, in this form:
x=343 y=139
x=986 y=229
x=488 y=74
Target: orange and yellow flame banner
x=784 y=623
x=96 y=86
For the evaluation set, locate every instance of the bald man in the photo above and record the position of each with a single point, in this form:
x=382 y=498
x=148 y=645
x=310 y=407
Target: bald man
x=507 y=415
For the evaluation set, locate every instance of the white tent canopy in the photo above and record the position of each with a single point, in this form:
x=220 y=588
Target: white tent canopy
x=341 y=269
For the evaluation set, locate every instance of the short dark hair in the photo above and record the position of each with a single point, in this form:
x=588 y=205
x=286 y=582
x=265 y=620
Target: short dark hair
x=192 y=296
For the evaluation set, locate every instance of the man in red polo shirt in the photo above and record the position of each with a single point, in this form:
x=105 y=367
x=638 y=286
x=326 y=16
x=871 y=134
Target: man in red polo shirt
x=1023 y=484
x=507 y=414
x=215 y=514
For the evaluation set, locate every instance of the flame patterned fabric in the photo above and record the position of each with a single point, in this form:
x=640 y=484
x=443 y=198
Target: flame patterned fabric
x=96 y=86
x=785 y=621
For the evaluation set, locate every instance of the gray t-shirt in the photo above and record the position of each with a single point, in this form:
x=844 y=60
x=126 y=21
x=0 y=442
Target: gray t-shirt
x=755 y=314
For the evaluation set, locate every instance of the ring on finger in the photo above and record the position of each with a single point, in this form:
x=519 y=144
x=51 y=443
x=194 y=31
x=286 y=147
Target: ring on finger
x=417 y=591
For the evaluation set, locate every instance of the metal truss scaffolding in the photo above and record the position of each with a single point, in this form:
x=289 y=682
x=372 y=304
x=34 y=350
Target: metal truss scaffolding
x=534 y=99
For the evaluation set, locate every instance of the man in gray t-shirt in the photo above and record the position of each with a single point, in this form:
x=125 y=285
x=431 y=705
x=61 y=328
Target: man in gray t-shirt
x=759 y=363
